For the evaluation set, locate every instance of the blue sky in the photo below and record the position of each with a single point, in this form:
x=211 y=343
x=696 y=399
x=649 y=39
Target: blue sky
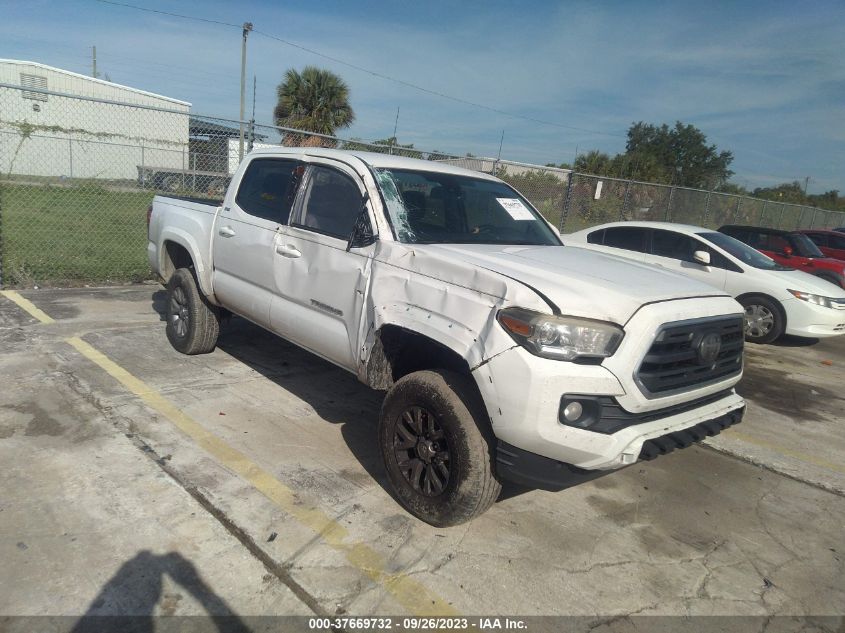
x=765 y=80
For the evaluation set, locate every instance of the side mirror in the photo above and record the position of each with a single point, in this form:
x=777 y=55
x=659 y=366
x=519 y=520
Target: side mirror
x=787 y=251
x=362 y=232
x=701 y=257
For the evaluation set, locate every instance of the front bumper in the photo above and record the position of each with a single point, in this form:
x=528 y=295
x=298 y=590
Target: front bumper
x=523 y=394
x=808 y=319
x=535 y=471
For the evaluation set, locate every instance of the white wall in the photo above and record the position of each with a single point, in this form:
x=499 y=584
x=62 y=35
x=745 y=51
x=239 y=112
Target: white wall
x=85 y=139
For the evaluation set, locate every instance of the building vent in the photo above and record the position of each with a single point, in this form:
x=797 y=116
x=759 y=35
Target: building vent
x=33 y=81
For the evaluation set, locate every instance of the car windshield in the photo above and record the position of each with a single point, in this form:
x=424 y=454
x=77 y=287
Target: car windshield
x=743 y=252
x=804 y=246
x=437 y=208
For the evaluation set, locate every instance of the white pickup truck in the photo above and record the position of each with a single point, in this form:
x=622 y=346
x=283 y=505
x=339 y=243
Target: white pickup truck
x=505 y=355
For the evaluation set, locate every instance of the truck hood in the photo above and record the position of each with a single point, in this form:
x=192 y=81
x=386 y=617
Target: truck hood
x=579 y=281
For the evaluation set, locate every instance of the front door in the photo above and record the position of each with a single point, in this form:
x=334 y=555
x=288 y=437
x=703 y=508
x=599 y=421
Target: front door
x=675 y=251
x=321 y=287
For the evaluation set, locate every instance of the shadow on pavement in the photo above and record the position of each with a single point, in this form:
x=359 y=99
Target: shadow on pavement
x=127 y=602
x=787 y=340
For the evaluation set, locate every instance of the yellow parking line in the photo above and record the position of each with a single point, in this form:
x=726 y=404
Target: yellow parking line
x=408 y=592
x=27 y=305
x=785 y=450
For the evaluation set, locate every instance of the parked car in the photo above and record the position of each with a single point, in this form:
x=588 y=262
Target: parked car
x=791 y=249
x=831 y=243
x=777 y=299
x=504 y=354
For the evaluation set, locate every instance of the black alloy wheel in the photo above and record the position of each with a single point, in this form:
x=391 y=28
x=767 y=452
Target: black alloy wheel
x=422 y=451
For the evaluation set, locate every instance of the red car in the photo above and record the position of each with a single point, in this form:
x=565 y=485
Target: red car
x=831 y=243
x=790 y=248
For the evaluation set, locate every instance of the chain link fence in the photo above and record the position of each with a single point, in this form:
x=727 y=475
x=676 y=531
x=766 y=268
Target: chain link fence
x=78 y=173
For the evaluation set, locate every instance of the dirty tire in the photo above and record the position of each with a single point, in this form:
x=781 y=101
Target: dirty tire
x=459 y=418
x=758 y=309
x=193 y=324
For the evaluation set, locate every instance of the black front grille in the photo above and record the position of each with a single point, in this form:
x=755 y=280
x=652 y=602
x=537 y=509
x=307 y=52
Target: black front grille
x=674 y=362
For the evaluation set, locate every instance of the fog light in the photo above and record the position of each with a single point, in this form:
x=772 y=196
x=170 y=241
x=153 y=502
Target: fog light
x=573 y=411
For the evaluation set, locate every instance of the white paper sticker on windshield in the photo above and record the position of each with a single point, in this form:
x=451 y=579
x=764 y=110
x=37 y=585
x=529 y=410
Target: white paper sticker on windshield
x=515 y=208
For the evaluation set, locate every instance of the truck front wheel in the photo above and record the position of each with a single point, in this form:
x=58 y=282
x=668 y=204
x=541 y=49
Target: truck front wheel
x=437 y=447
x=193 y=324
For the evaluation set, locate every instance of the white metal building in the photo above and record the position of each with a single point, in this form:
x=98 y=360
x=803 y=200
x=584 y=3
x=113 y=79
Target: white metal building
x=49 y=135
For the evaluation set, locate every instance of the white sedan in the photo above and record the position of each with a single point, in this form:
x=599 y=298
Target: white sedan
x=777 y=300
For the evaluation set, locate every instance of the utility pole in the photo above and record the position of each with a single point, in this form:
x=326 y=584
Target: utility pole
x=394 y=140
x=806 y=182
x=94 y=64
x=247 y=29
x=251 y=140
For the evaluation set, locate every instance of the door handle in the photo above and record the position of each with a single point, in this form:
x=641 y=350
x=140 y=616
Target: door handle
x=226 y=231
x=288 y=250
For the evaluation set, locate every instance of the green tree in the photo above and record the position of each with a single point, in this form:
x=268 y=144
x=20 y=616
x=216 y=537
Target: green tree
x=681 y=152
x=593 y=162
x=678 y=155
x=315 y=100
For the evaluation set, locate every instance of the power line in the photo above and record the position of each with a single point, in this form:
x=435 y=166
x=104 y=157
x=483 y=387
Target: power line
x=368 y=71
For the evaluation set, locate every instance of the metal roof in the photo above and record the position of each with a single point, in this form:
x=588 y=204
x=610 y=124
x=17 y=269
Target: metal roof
x=22 y=62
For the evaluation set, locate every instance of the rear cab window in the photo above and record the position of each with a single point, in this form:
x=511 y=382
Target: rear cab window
x=268 y=188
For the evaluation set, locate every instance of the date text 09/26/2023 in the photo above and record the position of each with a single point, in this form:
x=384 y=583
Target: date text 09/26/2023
x=415 y=624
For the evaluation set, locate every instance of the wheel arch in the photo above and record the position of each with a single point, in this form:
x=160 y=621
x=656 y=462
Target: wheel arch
x=180 y=250
x=777 y=303
x=398 y=351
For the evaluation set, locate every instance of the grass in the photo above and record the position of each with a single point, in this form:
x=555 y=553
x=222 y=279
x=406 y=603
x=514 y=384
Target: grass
x=74 y=235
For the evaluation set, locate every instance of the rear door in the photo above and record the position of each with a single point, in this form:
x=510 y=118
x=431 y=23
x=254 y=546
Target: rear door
x=835 y=246
x=246 y=233
x=674 y=251
x=320 y=286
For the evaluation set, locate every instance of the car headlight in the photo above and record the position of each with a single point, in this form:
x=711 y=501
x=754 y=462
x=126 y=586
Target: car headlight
x=811 y=298
x=560 y=337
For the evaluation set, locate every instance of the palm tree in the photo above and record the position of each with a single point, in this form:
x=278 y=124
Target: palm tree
x=315 y=100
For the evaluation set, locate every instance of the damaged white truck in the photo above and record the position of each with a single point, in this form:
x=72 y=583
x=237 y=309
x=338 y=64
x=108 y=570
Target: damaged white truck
x=505 y=355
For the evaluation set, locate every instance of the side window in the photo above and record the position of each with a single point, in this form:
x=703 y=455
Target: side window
x=596 y=237
x=776 y=243
x=742 y=236
x=837 y=242
x=717 y=260
x=674 y=245
x=819 y=239
x=630 y=238
x=331 y=203
x=268 y=188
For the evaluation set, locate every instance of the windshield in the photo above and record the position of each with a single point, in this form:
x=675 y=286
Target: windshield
x=743 y=252
x=436 y=208
x=804 y=246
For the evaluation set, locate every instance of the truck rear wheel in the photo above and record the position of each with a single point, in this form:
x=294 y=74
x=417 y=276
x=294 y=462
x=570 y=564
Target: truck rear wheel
x=193 y=324
x=437 y=447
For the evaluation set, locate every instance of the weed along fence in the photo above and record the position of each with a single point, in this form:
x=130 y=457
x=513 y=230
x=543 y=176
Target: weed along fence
x=77 y=175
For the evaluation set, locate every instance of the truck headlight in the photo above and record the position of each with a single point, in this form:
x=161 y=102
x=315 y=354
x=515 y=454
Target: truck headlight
x=560 y=337
x=811 y=298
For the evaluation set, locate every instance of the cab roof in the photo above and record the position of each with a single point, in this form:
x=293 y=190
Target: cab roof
x=377 y=160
